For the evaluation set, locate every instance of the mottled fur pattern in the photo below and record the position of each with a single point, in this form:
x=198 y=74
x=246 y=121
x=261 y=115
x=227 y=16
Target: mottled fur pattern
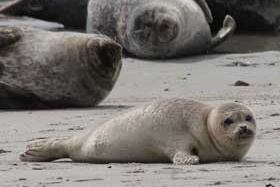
x=61 y=69
x=157 y=28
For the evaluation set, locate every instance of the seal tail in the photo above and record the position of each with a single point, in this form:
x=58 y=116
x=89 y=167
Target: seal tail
x=45 y=150
x=227 y=30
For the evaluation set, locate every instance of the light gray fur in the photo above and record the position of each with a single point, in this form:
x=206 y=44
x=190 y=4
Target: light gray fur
x=117 y=19
x=181 y=131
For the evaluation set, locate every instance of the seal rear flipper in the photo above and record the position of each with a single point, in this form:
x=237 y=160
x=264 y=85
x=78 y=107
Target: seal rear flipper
x=12 y=97
x=9 y=35
x=207 y=12
x=227 y=30
x=45 y=150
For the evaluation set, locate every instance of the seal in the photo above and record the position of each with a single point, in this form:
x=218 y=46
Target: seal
x=181 y=131
x=43 y=69
x=29 y=22
x=50 y=10
x=157 y=28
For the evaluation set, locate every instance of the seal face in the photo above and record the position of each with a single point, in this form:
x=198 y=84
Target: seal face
x=58 y=70
x=174 y=130
x=232 y=127
x=157 y=28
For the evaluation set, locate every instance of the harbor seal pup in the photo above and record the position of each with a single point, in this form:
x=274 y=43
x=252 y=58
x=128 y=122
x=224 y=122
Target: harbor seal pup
x=157 y=28
x=42 y=69
x=181 y=131
x=50 y=10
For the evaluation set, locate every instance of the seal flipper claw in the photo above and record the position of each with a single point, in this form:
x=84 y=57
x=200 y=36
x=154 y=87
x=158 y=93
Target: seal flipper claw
x=207 y=12
x=182 y=158
x=228 y=28
x=45 y=150
x=9 y=35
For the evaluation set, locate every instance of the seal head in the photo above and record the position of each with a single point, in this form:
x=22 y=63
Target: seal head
x=153 y=29
x=104 y=57
x=232 y=129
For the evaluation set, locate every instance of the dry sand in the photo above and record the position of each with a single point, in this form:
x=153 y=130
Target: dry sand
x=205 y=78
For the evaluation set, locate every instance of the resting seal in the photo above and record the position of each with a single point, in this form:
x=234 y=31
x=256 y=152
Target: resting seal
x=29 y=22
x=157 y=28
x=174 y=130
x=50 y=10
x=43 y=69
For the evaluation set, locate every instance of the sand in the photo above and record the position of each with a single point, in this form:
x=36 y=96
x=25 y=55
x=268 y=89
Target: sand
x=207 y=78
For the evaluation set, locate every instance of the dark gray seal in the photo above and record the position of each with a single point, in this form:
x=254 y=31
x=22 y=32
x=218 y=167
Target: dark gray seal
x=71 y=13
x=43 y=69
x=157 y=28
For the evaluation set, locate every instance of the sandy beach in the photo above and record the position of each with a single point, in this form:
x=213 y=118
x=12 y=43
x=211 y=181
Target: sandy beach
x=207 y=78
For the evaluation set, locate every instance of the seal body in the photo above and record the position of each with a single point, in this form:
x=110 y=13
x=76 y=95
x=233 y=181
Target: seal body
x=157 y=28
x=43 y=69
x=50 y=10
x=175 y=130
x=30 y=22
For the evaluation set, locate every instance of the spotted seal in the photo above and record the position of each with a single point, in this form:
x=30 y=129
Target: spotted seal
x=157 y=28
x=44 y=69
x=181 y=131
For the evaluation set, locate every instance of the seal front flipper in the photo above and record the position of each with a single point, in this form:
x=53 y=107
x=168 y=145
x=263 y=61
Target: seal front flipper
x=228 y=28
x=183 y=158
x=12 y=97
x=9 y=35
x=207 y=12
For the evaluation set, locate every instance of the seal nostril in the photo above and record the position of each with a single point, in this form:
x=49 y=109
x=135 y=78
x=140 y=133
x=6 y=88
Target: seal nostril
x=245 y=130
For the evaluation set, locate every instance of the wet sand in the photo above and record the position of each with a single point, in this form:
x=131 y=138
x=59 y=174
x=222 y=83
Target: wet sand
x=205 y=78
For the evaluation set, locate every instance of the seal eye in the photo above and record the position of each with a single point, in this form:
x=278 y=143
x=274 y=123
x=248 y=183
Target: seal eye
x=249 y=118
x=228 y=122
